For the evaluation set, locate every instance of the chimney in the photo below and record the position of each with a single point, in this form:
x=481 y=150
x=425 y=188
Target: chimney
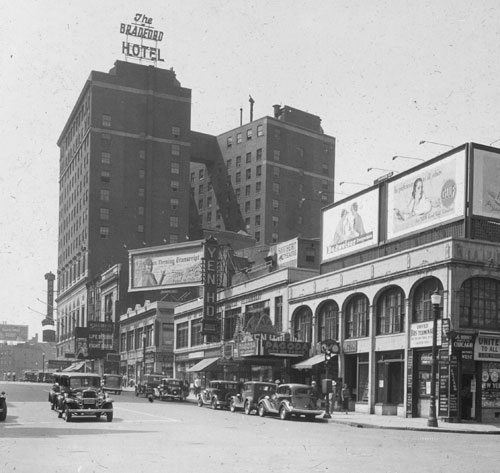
x=252 y=101
x=241 y=116
x=277 y=111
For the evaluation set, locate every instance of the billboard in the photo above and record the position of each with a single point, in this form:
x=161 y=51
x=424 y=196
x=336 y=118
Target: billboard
x=13 y=333
x=486 y=191
x=430 y=196
x=350 y=225
x=166 y=267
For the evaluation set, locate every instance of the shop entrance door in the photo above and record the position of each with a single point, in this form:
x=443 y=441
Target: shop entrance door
x=468 y=397
x=395 y=377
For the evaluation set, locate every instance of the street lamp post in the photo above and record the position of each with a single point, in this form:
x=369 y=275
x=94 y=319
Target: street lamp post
x=143 y=355
x=436 y=302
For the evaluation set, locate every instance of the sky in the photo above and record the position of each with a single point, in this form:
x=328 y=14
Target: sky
x=383 y=75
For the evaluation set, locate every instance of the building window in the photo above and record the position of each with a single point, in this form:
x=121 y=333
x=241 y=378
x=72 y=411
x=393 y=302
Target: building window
x=181 y=336
x=357 y=317
x=276 y=171
x=300 y=152
x=176 y=150
x=105 y=195
x=104 y=213
x=142 y=154
x=174 y=204
x=276 y=187
x=174 y=168
x=277 y=154
x=257 y=220
x=106 y=121
x=237 y=192
x=247 y=223
x=209 y=217
x=310 y=254
x=248 y=190
x=276 y=221
x=200 y=204
x=480 y=304
x=176 y=131
x=238 y=138
x=422 y=306
x=231 y=319
x=328 y=321
x=201 y=174
x=257 y=237
x=259 y=154
x=248 y=173
x=247 y=206
x=258 y=186
x=390 y=312
x=238 y=177
x=104 y=232
x=260 y=130
x=258 y=171
x=140 y=192
x=257 y=204
x=274 y=237
x=174 y=221
x=105 y=141
x=249 y=158
x=249 y=134
x=229 y=141
x=276 y=205
x=209 y=202
x=142 y=173
x=324 y=168
x=238 y=161
x=173 y=238
x=303 y=325
x=277 y=134
x=196 y=335
x=140 y=210
x=140 y=228
x=200 y=189
x=278 y=313
x=105 y=176
x=174 y=186
x=229 y=163
x=105 y=157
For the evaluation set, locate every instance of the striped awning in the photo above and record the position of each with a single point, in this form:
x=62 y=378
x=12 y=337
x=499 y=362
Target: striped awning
x=203 y=365
x=310 y=362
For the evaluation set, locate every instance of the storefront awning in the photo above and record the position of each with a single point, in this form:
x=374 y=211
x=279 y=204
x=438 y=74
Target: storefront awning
x=310 y=362
x=75 y=366
x=203 y=365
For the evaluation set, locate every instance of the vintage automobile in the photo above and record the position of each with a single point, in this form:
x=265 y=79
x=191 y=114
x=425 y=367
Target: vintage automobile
x=171 y=389
x=249 y=396
x=218 y=394
x=147 y=385
x=290 y=400
x=3 y=406
x=81 y=395
x=112 y=383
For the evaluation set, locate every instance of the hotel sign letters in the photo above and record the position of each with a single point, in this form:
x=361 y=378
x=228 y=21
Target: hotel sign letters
x=141 y=30
x=210 y=263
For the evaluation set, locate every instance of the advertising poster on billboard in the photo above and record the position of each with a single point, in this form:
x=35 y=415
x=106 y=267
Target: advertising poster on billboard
x=486 y=194
x=13 y=333
x=430 y=196
x=166 y=268
x=350 y=225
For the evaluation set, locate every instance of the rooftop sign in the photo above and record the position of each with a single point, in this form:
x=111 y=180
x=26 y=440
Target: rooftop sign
x=142 y=31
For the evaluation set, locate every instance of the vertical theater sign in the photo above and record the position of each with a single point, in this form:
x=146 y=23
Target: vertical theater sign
x=210 y=279
x=141 y=39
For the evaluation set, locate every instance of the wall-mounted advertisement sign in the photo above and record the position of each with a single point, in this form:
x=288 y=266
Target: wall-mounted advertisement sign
x=421 y=334
x=141 y=39
x=428 y=197
x=350 y=225
x=165 y=268
x=13 y=333
x=486 y=192
x=286 y=252
x=209 y=321
x=282 y=348
x=487 y=348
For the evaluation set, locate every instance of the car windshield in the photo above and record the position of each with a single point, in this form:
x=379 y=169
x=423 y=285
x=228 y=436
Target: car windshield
x=265 y=388
x=84 y=382
x=225 y=385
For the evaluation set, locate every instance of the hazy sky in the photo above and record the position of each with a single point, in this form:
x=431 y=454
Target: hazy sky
x=382 y=74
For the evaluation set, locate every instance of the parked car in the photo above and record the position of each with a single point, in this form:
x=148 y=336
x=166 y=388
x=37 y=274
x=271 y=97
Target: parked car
x=171 y=389
x=218 y=394
x=148 y=384
x=249 y=396
x=81 y=394
x=3 y=406
x=290 y=400
x=112 y=383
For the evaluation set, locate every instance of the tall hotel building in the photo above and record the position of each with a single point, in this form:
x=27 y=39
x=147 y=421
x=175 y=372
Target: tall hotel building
x=124 y=165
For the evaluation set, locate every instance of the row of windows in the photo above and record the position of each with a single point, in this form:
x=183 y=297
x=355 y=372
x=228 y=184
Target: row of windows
x=249 y=135
x=106 y=123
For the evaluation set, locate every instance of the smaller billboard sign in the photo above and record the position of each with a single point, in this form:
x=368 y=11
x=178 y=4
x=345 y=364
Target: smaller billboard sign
x=487 y=348
x=486 y=192
x=13 y=333
x=421 y=334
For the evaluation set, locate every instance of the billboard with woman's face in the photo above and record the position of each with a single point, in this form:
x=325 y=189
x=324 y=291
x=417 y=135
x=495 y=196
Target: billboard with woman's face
x=486 y=193
x=350 y=225
x=427 y=197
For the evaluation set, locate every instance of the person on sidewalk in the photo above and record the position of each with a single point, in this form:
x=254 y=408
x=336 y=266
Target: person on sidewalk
x=346 y=396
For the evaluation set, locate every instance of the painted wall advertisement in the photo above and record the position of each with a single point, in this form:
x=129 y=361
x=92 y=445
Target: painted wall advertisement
x=486 y=193
x=286 y=252
x=350 y=225
x=166 y=268
x=430 y=196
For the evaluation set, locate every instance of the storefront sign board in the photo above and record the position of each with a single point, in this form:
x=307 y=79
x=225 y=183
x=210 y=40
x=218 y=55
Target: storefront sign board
x=421 y=334
x=487 y=348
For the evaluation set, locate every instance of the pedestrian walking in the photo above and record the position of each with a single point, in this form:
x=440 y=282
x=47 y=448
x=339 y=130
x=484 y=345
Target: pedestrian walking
x=346 y=396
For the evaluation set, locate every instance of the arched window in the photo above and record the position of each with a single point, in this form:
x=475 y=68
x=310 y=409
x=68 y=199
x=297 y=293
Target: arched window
x=422 y=306
x=357 y=317
x=303 y=324
x=328 y=321
x=390 y=312
x=479 y=300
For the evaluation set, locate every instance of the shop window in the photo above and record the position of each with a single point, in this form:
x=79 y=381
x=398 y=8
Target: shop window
x=303 y=325
x=390 y=312
x=196 y=335
x=357 y=317
x=479 y=300
x=328 y=321
x=422 y=306
x=181 y=337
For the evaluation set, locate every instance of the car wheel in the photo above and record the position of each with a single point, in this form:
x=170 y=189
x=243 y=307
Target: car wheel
x=232 y=407
x=200 y=402
x=67 y=415
x=261 y=410
x=109 y=416
x=214 y=403
x=284 y=414
x=247 y=409
x=98 y=416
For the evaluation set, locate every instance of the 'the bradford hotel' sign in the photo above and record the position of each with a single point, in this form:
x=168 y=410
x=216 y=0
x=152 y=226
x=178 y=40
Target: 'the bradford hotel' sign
x=142 y=29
